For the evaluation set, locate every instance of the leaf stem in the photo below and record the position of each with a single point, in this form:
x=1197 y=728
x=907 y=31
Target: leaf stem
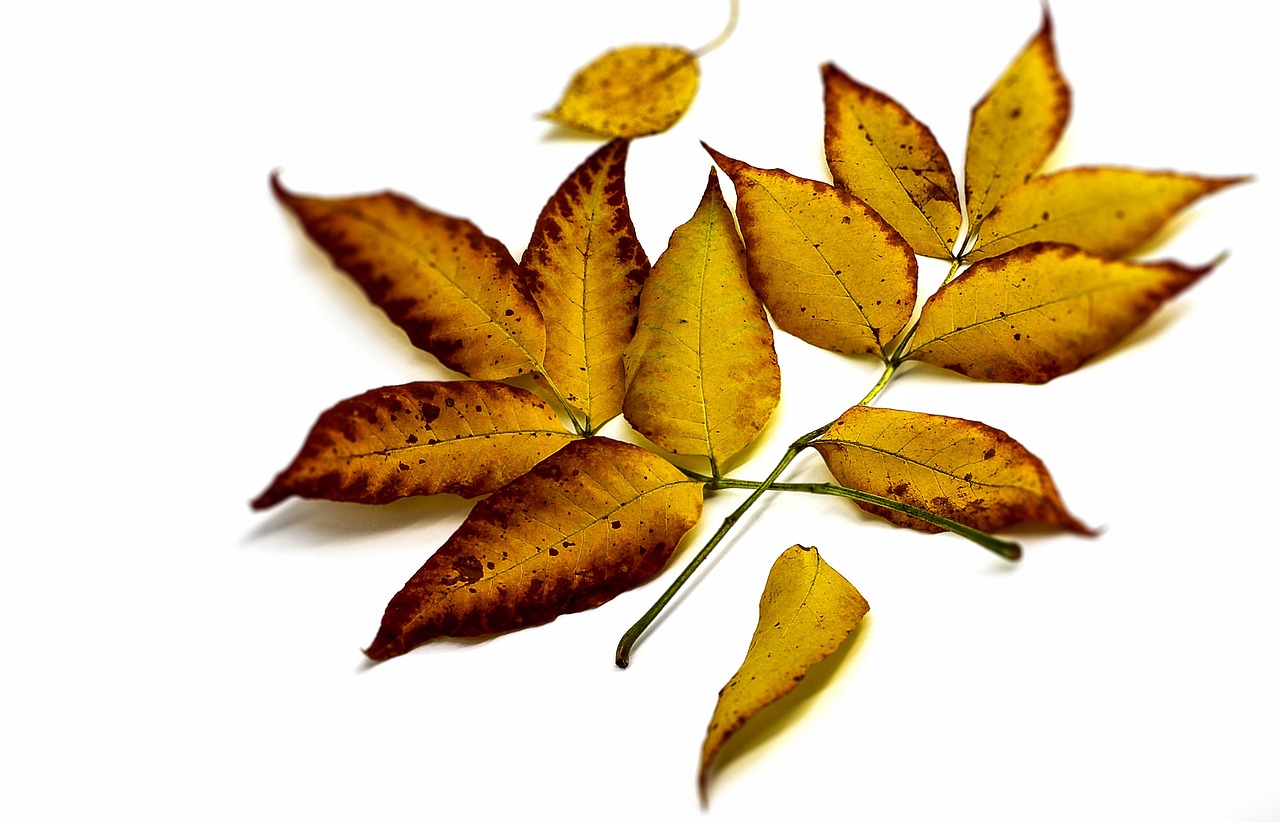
x=722 y=36
x=623 y=656
x=716 y=481
x=1006 y=549
x=896 y=359
x=889 y=368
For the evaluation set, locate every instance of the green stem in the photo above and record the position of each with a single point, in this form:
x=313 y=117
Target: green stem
x=889 y=368
x=1003 y=548
x=896 y=359
x=623 y=656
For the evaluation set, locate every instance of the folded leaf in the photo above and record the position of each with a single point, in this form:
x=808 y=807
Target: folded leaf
x=829 y=269
x=806 y=612
x=965 y=471
x=702 y=374
x=1040 y=311
x=1015 y=127
x=596 y=518
x=454 y=290
x=878 y=151
x=630 y=91
x=1109 y=211
x=586 y=268
x=465 y=438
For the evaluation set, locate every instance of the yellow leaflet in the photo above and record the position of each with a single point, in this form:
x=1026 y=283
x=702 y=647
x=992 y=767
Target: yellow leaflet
x=467 y=438
x=830 y=270
x=702 y=374
x=630 y=92
x=882 y=154
x=1015 y=127
x=1109 y=211
x=596 y=518
x=962 y=470
x=454 y=290
x=586 y=269
x=1040 y=311
x=806 y=612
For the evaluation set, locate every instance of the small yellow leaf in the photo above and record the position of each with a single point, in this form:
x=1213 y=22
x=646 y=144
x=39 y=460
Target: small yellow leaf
x=965 y=471
x=596 y=518
x=1108 y=211
x=454 y=290
x=630 y=92
x=882 y=154
x=1040 y=311
x=467 y=438
x=1015 y=127
x=586 y=268
x=828 y=268
x=806 y=612
x=702 y=374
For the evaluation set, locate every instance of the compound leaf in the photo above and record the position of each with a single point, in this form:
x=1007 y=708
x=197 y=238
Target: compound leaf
x=1014 y=128
x=806 y=611
x=454 y=290
x=467 y=438
x=586 y=268
x=596 y=518
x=882 y=154
x=1108 y=211
x=965 y=471
x=1040 y=311
x=829 y=269
x=702 y=374
x=630 y=92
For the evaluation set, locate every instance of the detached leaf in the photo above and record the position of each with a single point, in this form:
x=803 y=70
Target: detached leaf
x=586 y=268
x=454 y=290
x=806 y=612
x=830 y=270
x=965 y=471
x=1015 y=127
x=702 y=374
x=1108 y=211
x=630 y=92
x=882 y=154
x=1040 y=311
x=465 y=438
x=596 y=518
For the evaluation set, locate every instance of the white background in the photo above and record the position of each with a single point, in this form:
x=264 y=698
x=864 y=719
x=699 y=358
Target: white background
x=170 y=336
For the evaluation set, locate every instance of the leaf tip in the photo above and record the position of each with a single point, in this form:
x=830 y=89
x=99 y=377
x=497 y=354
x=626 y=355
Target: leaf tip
x=1046 y=20
x=266 y=499
x=720 y=159
x=281 y=193
x=382 y=648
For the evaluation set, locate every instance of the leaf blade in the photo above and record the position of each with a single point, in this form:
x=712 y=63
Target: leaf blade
x=806 y=611
x=959 y=469
x=1041 y=311
x=586 y=269
x=882 y=154
x=465 y=438
x=1108 y=211
x=829 y=269
x=1015 y=127
x=596 y=518
x=454 y=290
x=702 y=373
x=632 y=91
